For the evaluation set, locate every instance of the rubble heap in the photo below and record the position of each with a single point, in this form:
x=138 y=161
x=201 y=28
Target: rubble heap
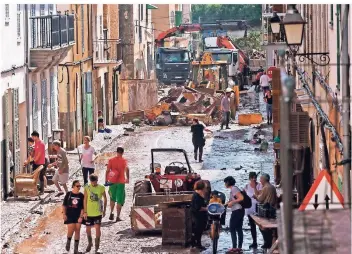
x=182 y=104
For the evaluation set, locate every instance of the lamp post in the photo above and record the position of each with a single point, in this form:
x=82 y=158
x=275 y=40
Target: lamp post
x=293 y=25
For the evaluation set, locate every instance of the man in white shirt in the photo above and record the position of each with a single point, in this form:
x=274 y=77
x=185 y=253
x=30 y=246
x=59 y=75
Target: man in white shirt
x=264 y=82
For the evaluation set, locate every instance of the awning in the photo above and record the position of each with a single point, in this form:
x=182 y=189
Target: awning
x=151 y=7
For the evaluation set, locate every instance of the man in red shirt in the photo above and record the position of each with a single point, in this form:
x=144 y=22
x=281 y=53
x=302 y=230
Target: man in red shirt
x=39 y=158
x=117 y=174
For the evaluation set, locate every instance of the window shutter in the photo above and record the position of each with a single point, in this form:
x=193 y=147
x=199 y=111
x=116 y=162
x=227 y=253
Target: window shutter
x=16 y=132
x=35 y=107
x=44 y=111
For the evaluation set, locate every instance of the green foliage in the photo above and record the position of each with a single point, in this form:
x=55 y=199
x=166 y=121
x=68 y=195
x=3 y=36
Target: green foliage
x=212 y=12
x=249 y=43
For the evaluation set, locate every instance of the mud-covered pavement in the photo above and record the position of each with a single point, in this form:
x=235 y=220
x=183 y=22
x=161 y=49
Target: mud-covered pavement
x=224 y=150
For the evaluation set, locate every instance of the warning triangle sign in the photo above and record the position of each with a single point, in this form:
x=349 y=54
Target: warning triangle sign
x=323 y=194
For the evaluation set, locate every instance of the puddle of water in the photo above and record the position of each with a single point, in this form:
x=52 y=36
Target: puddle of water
x=39 y=240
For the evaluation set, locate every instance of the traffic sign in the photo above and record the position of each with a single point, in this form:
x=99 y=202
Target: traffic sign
x=270 y=71
x=323 y=194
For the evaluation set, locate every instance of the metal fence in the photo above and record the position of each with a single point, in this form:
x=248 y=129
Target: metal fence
x=54 y=31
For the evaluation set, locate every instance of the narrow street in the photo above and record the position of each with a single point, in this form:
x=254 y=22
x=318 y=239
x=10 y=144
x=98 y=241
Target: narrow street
x=224 y=150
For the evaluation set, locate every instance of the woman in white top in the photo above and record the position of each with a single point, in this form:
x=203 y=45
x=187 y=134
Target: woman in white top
x=237 y=214
x=86 y=159
x=249 y=189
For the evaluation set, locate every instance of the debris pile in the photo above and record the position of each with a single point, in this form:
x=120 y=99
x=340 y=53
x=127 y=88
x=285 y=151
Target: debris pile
x=183 y=104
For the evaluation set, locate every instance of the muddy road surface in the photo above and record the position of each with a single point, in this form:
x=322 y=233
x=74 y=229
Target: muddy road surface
x=225 y=154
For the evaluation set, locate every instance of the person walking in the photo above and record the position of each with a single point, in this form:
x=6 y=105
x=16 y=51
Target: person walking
x=86 y=159
x=265 y=196
x=72 y=210
x=117 y=174
x=94 y=210
x=199 y=214
x=62 y=173
x=225 y=108
x=268 y=98
x=264 y=82
x=39 y=159
x=198 y=139
x=249 y=189
x=236 y=220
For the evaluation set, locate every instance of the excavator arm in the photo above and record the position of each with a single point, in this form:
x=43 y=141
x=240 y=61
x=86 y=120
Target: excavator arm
x=175 y=30
x=227 y=42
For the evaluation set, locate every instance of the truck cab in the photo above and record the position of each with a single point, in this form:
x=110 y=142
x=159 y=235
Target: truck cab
x=231 y=56
x=173 y=65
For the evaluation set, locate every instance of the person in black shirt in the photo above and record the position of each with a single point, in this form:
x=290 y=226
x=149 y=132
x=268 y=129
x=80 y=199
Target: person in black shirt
x=269 y=106
x=198 y=139
x=199 y=214
x=73 y=214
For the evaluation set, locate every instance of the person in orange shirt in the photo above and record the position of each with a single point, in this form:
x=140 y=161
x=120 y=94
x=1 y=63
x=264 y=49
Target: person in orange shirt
x=117 y=175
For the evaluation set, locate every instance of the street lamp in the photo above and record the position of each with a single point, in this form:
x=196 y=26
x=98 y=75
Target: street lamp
x=293 y=26
x=275 y=23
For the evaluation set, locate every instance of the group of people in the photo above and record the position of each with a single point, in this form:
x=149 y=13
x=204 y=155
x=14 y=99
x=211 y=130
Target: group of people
x=262 y=192
x=89 y=208
x=263 y=80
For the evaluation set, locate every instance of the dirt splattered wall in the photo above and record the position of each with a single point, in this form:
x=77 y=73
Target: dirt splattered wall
x=137 y=94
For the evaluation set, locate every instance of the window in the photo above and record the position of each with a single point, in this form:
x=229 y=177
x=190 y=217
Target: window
x=142 y=11
x=82 y=27
x=42 y=9
x=51 y=8
x=7 y=13
x=146 y=16
x=32 y=10
x=101 y=27
x=18 y=23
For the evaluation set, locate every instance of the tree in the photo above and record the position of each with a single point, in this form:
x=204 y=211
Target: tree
x=212 y=12
x=249 y=43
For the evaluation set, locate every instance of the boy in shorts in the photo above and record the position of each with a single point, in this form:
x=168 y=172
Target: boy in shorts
x=94 y=210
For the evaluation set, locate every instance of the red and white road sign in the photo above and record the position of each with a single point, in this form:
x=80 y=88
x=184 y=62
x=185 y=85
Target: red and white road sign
x=323 y=194
x=270 y=71
x=144 y=218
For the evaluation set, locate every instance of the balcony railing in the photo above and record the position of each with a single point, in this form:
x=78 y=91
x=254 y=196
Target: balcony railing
x=52 y=32
x=107 y=51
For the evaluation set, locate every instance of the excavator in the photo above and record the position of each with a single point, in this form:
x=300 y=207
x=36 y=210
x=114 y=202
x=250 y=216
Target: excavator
x=178 y=70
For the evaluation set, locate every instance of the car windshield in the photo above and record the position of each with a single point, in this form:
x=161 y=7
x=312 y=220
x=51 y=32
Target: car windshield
x=222 y=57
x=175 y=57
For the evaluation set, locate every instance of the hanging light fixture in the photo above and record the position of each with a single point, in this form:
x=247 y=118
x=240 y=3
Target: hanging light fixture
x=293 y=26
x=275 y=23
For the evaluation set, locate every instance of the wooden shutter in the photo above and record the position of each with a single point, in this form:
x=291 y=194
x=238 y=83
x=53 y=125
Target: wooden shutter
x=299 y=126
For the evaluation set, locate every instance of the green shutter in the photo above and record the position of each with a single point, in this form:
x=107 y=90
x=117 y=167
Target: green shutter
x=178 y=18
x=151 y=7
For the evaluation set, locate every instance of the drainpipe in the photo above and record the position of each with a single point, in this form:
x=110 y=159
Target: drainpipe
x=346 y=109
x=26 y=63
x=338 y=13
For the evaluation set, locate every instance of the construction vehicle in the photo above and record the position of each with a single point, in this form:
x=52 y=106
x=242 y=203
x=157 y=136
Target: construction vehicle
x=217 y=30
x=173 y=182
x=172 y=65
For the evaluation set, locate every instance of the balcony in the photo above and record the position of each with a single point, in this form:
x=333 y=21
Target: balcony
x=107 y=52
x=51 y=38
